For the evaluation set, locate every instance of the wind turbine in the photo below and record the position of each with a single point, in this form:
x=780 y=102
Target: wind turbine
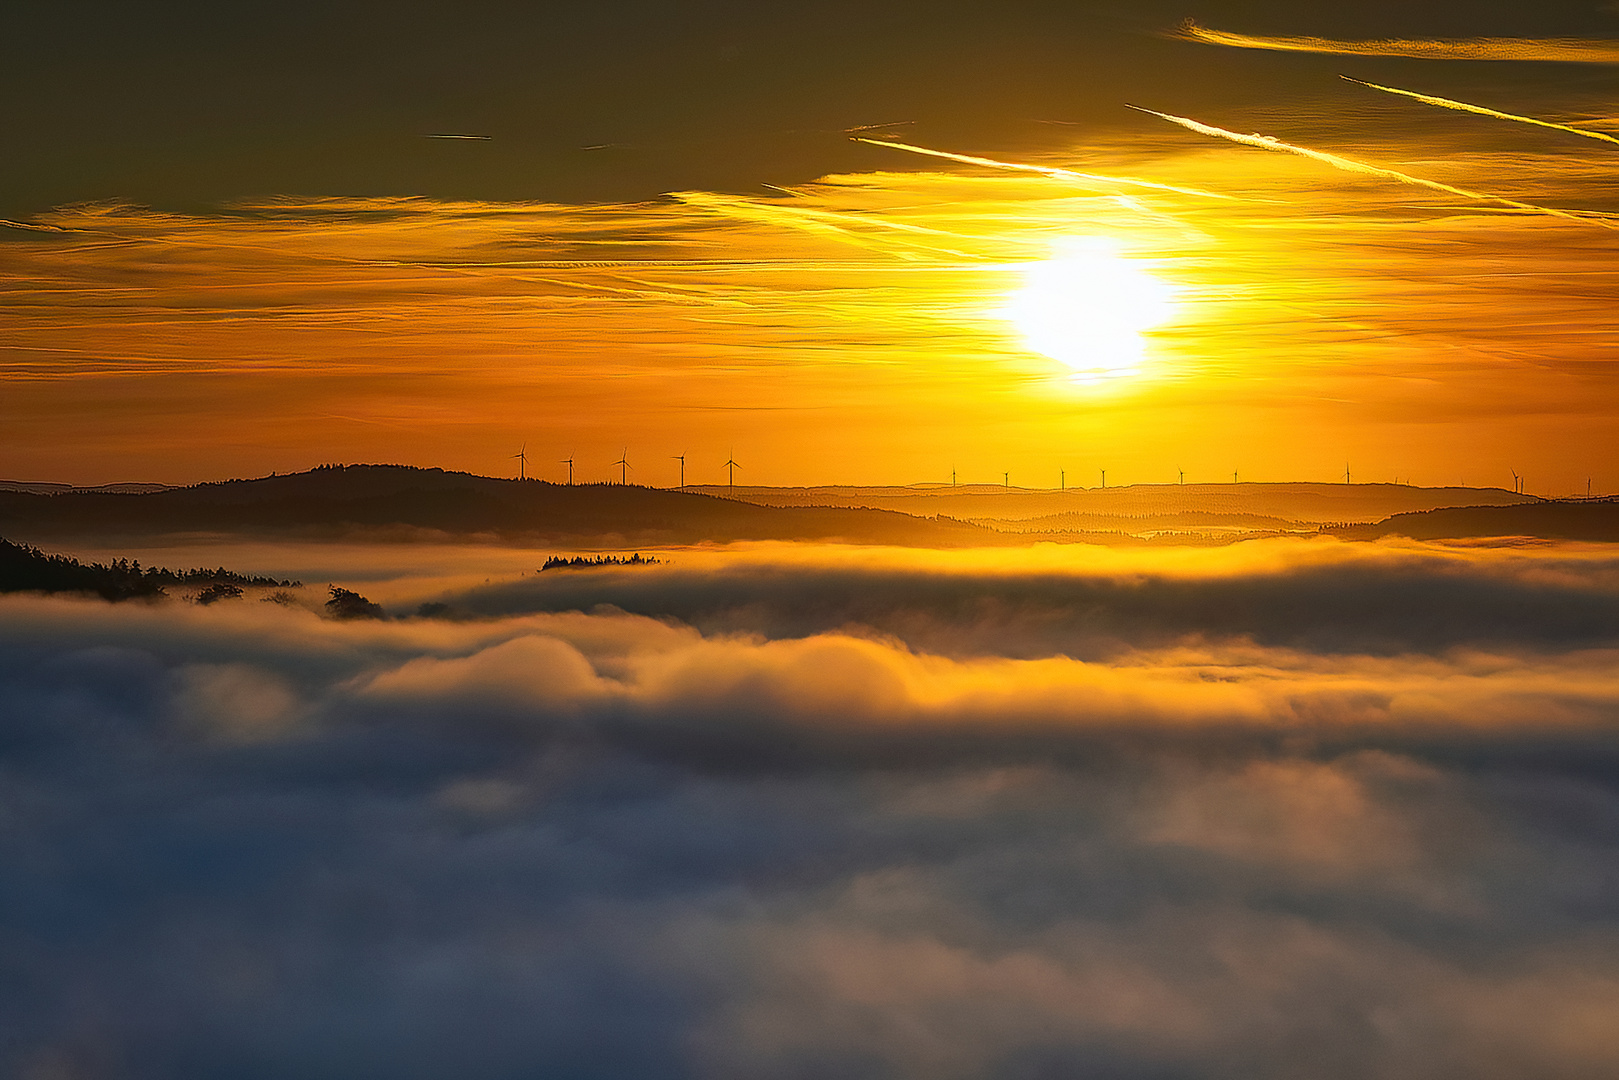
x=682 y=459
x=1183 y=476
x=1346 y=472
x=1104 y=478
x=1006 y=480
x=568 y=461
x=730 y=463
x=623 y=464
x=522 y=462
x=1517 y=482
x=1062 y=479
x=952 y=476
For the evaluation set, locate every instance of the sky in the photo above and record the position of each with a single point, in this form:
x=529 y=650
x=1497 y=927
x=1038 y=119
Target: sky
x=788 y=811
x=239 y=241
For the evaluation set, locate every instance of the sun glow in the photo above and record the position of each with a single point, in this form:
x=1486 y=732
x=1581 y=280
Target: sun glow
x=1087 y=307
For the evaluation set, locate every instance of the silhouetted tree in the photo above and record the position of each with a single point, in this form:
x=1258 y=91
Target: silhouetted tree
x=581 y=562
x=219 y=590
x=347 y=604
x=27 y=569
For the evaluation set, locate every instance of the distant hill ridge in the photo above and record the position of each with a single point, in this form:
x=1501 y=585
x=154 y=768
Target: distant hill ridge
x=1570 y=519
x=48 y=487
x=407 y=502
x=380 y=501
x=1301 y=502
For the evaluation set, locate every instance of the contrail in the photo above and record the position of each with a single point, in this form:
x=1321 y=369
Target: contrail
x=845 y=227
x=481 y=138
x=34 y=226
x=1267 y=142
x=1059 y=174
x=710 y=200
x=1462 y=106
x=1563 y=50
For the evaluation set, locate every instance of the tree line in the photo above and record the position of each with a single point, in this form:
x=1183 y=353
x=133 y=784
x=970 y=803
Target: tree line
x=24 y=568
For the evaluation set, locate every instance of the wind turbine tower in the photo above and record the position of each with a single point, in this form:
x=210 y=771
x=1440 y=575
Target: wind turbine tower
x=568 y=461
x=1104 y=478
x=730 y=463
x=522 y=462
x=623 y=464
x=682 y=459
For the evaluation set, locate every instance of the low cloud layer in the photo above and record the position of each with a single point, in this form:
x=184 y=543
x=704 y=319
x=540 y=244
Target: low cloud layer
x=1079 y=601
x=665 y=838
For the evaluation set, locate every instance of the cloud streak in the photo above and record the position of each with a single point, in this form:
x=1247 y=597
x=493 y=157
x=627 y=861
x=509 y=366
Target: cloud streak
x=1479 y=110
x=1543 y=50
x=1043 y=170
x=1349 y=165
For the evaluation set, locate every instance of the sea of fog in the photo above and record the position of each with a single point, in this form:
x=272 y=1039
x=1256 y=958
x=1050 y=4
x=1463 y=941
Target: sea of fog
x=1281 y=809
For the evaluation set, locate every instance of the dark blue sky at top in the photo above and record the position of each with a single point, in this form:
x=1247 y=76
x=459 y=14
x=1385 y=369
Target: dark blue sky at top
x=190 y=105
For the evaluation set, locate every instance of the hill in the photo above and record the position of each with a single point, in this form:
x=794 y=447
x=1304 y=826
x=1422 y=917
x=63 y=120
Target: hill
x=400 y=502
x=1574 y=519
x=46 y=487
x=1139 y=508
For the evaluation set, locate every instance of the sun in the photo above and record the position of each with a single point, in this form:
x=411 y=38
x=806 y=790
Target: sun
x=1087 y=307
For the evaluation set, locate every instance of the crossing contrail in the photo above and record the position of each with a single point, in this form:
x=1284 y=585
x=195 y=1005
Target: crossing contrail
x=1462 y=106
x=1044 y=170
x=842 y=226
x=1350 y=165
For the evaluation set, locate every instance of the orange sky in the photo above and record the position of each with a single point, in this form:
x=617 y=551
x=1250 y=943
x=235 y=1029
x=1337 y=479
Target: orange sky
x=854 y=329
